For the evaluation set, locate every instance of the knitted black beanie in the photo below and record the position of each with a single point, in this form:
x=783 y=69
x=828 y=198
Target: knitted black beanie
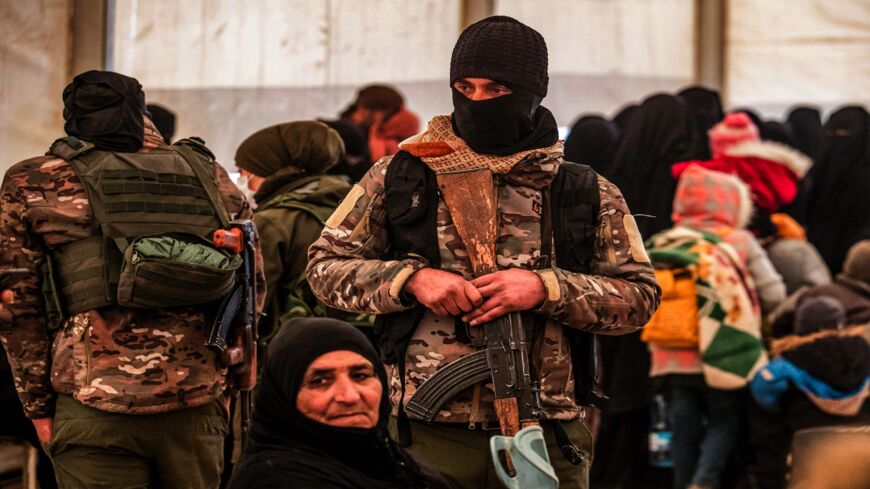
x=503 y=49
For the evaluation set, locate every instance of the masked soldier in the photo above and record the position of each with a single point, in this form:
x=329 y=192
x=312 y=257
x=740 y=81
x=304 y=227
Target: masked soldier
x=106 y=338
x=567 y=253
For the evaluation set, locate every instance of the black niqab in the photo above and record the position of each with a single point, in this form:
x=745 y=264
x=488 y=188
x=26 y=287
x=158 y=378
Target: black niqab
x=838 y=214
x=707 y=108
x=307 y=453
x=504 y=125
x=106 y=109
x=592 y=141
x=661 y=133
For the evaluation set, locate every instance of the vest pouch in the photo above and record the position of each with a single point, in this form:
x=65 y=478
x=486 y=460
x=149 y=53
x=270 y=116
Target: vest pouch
x=175 y=270
x=675 y=323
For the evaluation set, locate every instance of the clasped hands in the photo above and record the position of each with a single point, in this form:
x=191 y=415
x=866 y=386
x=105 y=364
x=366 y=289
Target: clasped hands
x=480 y=300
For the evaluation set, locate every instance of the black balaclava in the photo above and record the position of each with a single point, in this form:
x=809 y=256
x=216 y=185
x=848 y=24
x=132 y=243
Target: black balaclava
x=592 y=141
x=106 y=109
x=277 y=421
x=507 y=51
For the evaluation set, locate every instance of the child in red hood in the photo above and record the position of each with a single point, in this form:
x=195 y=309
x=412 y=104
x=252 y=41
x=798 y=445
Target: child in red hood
x=772 y=170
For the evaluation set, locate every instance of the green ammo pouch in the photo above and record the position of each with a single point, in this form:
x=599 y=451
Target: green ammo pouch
x=175 y=270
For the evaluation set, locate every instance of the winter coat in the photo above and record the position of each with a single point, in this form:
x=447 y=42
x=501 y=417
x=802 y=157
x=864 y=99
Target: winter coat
x=349 y=268
x=799 y=264
x=718 y=203
x=287 y=222
x=822 y=379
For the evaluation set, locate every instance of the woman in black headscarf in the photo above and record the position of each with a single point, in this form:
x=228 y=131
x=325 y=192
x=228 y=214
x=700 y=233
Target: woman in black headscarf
x=661 y=133
x=592 y=141
x=624 y=115
x=707 y=108
x=320 y=416
x=806 y=123
x=838 y=214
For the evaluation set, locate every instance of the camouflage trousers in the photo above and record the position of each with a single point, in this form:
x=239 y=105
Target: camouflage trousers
x=95 y=449
x=463 y=455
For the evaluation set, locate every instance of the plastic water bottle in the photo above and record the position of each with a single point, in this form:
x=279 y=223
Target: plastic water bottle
x=660 y=434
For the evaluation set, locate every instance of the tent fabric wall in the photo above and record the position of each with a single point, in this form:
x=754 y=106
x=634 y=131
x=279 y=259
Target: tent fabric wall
x=34 y=65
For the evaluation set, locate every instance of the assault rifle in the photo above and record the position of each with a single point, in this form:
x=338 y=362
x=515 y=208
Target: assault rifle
x=234 y=333
x=504 y=360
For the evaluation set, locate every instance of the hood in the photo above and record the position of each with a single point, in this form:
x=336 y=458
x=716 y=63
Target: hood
x=839 y=358
x=710 y=200
x=771 y=170
x=794 y=160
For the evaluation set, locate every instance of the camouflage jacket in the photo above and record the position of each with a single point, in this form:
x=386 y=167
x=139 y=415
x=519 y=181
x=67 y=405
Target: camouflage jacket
x=113 y=359
x=346 y=270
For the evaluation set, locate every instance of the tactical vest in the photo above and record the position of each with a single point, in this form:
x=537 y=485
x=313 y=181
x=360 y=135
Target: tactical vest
x=167 y=193
x=570 y=214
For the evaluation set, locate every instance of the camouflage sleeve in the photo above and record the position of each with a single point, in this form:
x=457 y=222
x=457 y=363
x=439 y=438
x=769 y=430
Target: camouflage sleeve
x=346 y=269
x=23 y=328
x=622 y=294
x=238 y=207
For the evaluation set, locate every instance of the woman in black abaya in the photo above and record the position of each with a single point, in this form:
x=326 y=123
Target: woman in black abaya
x=662 y=132
x=838 y=214
x=289 y=448
x=592 y=141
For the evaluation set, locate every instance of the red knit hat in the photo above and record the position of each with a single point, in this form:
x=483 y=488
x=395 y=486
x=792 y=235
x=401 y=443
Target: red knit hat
x=735 y=128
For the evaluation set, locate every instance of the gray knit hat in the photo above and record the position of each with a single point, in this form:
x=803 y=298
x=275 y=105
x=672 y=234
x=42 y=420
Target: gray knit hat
x=503 y=49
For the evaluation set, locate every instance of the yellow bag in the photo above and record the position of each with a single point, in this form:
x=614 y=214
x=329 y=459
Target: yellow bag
x=675 y=323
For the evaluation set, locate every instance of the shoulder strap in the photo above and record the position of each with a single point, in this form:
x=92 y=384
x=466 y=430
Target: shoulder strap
x=573 y=211
x=69 y=148
x=201 y=161
x=411 y=200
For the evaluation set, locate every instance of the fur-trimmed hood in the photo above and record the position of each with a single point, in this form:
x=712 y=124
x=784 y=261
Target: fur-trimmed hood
x=771 y=170
x=837 y=357
x=791 y=158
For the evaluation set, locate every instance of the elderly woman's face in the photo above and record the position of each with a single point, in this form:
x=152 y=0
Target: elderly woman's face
x=341 y=389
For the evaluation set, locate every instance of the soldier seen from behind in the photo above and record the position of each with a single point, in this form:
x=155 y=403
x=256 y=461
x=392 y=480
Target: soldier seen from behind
x=106 y=339
x=398 y=247
x=284 y=167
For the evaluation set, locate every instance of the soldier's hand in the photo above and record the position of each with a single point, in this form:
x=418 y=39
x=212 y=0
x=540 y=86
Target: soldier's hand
x=445 y=293
x=506 y=291
x=43 y=428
